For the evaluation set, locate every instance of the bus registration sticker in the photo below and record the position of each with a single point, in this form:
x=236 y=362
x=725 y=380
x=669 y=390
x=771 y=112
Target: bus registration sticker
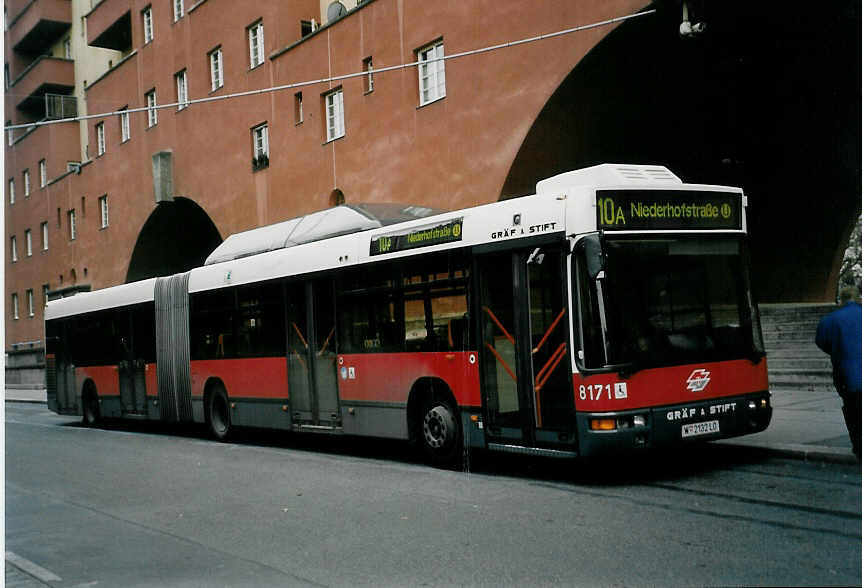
x=694 y=429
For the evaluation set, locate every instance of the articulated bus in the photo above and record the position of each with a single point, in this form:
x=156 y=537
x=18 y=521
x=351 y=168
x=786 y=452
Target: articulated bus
x=609 y=312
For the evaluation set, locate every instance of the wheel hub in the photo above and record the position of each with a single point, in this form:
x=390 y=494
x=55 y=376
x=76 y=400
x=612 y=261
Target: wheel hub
x=437 y=427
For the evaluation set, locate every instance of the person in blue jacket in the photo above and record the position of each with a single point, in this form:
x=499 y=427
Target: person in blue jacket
x=840 y=335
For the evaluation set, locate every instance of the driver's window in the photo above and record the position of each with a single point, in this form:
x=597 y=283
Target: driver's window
x=591 y=349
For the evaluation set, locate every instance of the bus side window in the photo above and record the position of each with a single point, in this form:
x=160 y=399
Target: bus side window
x=212 y=324
x=369 y=311
x=435 y=303
x=261 y=320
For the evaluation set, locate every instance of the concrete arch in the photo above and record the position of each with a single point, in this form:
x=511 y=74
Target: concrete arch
x=177 y=236
x=767 y=100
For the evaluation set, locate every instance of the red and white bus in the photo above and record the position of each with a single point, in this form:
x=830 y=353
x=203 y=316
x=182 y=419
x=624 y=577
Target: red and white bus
x=609 y=312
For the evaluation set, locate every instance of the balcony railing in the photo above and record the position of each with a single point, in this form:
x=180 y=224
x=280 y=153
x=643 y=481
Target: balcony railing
x=60 y=106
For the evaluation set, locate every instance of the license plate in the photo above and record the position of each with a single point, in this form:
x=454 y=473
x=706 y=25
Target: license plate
x=695 y=429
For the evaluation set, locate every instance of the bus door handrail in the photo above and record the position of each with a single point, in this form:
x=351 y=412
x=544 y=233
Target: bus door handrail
x=499 y=324
x=298 y=332
x=502 y=362
x=550 y=330
x=550 y=366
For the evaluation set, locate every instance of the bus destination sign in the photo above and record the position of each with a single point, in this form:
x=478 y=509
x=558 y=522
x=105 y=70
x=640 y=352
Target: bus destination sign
x=448 y=232
x=622 y=210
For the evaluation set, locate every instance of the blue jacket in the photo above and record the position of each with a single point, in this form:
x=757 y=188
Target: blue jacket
x=840 y=335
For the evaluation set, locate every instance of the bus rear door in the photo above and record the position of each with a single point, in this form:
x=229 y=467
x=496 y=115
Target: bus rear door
x=525 y=366
x=311 y=370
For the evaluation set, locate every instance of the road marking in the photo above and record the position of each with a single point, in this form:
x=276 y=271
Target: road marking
x=34 y=570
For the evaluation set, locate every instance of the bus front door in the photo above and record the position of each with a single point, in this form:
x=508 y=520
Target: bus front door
x=525 y=365
x=311 y=370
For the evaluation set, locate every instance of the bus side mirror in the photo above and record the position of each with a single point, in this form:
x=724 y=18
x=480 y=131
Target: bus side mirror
x=595 y=258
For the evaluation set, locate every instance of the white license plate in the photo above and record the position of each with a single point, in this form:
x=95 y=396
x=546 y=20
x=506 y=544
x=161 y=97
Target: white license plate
x=695 y=429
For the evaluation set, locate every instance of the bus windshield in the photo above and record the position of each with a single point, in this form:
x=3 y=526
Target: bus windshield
x=667 y=301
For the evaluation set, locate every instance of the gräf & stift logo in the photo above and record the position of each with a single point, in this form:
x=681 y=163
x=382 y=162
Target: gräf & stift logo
x=698 y=380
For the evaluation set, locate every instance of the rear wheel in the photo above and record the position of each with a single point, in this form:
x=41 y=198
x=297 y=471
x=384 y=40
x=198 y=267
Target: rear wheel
x=218 y=414
x=91 y=412
x=440 y=433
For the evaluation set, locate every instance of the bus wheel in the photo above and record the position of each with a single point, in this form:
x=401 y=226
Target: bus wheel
x=90 y=408
x=441 y=436
x=218 y=414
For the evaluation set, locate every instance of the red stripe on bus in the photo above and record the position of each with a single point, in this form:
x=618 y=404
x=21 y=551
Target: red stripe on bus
x=388 y=377
x=105 y=377
x=669 y=385
x=256 y=377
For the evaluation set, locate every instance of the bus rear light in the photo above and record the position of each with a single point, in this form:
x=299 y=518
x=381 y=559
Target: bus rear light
x=603 y=424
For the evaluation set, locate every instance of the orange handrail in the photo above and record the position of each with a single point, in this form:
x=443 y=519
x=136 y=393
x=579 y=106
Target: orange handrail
x=301 y=338
x=502 y=362
x=499 y=324
x=550 y=366
x=326 y=342
x=550 y=330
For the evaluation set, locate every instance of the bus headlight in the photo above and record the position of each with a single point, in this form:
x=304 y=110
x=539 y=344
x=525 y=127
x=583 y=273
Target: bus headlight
x=639 y=420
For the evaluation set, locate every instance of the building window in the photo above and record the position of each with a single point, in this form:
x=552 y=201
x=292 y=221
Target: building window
x=26 y=183
x=73 y=230
x=178 y=10
x=30 y=312
x=297 y=107
x=147 y=16
x=152 y=112
x=432 y=74
x=11 y=190
x=368 y=66
x=43 y=173
x=6 y=76
x=13 y=248
x=45 y=236
x=100 y=138
x=255 y=44
x=335 y=115
x=260 y=147
x=45 y=289
x=216 y=72
x=28 y=242
x=125 y=129
x=67 y=48
x=15 y=305
x=10 y=138
x=103 y=208
x=182 y=90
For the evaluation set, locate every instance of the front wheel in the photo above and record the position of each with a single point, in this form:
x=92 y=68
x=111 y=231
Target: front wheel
x=440 y=434
x=218 y=414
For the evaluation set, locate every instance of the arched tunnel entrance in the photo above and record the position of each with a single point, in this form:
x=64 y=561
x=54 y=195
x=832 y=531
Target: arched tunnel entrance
x=767 y=99
x=177 y=236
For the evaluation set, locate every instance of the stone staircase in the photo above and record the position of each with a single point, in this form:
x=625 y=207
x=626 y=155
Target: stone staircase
x=794 y=360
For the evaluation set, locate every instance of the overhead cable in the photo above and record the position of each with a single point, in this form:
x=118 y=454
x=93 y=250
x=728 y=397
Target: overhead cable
x=402 y=66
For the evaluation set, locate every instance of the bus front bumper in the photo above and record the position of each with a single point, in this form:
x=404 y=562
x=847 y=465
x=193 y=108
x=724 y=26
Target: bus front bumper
x=672 y=425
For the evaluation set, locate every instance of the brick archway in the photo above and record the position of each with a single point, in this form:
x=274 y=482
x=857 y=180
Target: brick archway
x=776 y=113
x=177 y=236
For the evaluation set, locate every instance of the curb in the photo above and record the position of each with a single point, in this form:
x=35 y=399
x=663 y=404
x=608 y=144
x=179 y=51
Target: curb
x=813 y=453
x=26 y=401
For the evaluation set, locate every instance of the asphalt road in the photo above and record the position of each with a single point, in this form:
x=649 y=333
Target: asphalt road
x=144 y=505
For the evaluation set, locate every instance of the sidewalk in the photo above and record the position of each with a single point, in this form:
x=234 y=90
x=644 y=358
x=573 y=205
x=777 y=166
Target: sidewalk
x=806 y=424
